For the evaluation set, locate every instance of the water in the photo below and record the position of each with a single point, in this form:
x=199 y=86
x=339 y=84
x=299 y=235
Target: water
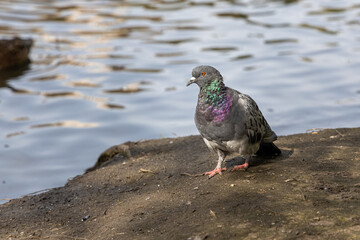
x=105 y=72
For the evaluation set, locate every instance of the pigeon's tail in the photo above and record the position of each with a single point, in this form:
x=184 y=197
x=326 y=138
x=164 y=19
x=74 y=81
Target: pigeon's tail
x=268 y=149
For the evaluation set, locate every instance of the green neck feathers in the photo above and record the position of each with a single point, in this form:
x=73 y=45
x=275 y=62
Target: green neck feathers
x=212 y=93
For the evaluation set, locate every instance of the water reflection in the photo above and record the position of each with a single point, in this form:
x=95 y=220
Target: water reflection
x=174 y=41
x=170 y=54
x=110 y=106
x=318 y=28
x=220 y=49
x=83 y=83
x=105 y=72
x=5 y=75
x=284 y=40
x=49 y=77
x=242 y=57
x=69 y=124
x=14 y=134
x=130 y=88
x=61 y=94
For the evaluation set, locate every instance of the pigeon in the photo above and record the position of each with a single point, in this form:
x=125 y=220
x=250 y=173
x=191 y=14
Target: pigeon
x=229 y=121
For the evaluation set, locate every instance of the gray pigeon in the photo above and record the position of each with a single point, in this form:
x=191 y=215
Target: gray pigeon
x=229 y=121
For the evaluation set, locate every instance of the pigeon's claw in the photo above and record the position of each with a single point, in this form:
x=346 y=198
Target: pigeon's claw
x=242 y=166
x=215 y=171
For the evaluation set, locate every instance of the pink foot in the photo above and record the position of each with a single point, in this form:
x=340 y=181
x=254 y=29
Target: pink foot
x=215 y=171
x=242 y=166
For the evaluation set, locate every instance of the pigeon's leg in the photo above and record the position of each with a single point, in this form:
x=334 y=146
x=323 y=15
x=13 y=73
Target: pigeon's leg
x=218 y=168
x=243 y=166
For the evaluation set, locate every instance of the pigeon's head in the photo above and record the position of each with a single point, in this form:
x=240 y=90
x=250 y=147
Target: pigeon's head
x=204 y=75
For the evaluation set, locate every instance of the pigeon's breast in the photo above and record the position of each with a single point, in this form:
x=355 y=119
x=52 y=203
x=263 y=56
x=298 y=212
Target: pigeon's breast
x=215 y=123
x=214 y=112
x=223 y=110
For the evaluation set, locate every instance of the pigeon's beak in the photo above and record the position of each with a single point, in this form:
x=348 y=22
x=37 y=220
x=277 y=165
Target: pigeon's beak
x=192 y=80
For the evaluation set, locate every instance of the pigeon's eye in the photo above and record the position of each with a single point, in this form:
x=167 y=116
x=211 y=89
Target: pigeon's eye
x=203 y=74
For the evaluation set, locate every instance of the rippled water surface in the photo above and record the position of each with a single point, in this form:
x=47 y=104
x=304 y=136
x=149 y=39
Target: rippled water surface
x=105 y=72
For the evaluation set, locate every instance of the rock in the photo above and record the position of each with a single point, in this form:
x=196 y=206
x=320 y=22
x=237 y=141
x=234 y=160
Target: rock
x=119 y=151
x=14 y=52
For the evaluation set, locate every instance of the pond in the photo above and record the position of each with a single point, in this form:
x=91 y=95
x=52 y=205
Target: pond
x=106 y=72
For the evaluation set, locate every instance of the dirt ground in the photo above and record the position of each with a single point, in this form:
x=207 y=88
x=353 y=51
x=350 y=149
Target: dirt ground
x=154 y=190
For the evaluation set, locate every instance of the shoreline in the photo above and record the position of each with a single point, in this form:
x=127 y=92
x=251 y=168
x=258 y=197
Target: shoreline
x=155 y=190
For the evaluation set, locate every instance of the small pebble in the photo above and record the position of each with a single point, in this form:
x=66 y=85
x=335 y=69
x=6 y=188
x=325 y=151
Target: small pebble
x=212 y=213
x=85 y=218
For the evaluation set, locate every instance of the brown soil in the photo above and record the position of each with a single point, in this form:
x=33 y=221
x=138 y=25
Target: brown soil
x=151 y=190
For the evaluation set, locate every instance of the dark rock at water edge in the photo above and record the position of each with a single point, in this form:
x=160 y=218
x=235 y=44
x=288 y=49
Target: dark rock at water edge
x=14 y=52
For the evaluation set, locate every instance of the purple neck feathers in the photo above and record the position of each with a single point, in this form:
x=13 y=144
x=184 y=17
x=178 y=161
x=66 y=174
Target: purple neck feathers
x=216 y=105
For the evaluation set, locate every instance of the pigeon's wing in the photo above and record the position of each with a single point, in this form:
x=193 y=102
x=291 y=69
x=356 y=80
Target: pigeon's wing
x=256 y=126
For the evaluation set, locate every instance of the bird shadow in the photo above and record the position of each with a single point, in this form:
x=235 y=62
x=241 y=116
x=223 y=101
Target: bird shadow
x=258 y=159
